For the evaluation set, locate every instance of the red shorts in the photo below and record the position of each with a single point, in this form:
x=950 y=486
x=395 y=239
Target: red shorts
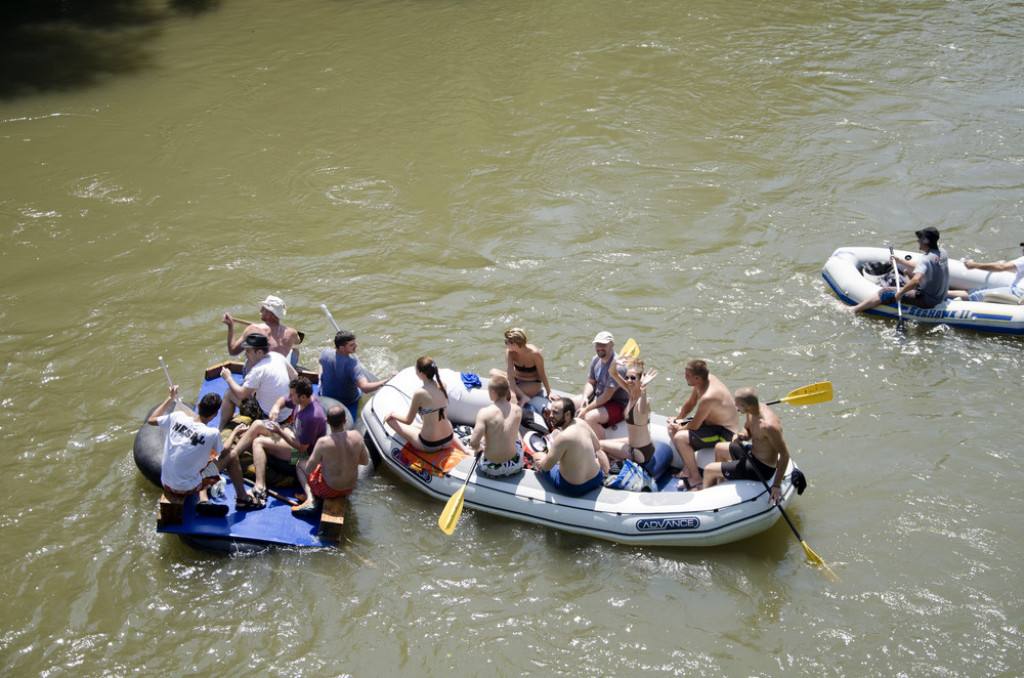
x=616 y=412
x=322 y=489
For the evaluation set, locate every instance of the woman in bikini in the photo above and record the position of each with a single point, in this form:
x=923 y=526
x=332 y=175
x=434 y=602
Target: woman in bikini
x=435 y=433
x=524 y=367
x=638 y=446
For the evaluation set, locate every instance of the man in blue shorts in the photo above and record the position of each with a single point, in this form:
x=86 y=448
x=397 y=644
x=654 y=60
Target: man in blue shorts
x=574 y=462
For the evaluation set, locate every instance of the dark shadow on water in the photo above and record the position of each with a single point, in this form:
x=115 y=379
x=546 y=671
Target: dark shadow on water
x=50 y=45
x=193 y=7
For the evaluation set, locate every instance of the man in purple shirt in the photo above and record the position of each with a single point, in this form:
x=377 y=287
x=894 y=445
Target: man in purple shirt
x=270 y=438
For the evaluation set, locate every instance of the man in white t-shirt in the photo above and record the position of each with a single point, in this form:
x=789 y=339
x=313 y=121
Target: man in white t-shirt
x=266 y=382
x=194 y=454
x=1016 y=288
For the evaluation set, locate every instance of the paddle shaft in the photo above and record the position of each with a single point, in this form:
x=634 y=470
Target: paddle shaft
x=789 y=522
x=167 y=374
x=899 y=302
x=274 y=493
x=433 y=466
x=330 y=317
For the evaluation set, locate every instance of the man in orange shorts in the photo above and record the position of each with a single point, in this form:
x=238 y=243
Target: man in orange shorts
x=333 y=468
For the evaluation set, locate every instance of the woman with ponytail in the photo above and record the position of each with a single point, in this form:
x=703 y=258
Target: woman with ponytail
x=435 y=433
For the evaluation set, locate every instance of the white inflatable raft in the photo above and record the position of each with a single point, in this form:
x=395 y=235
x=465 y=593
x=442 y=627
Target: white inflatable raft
x=725 y=513
x=857 y=273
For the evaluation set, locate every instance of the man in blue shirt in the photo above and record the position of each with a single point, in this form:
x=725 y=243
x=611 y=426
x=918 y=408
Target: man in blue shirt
x=341 y=375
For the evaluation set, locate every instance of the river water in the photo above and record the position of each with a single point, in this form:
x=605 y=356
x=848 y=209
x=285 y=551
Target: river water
x=435 y=172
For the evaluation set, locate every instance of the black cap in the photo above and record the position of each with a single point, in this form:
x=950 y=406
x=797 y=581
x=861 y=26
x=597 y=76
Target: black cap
x=257 y=341
x=929 y=233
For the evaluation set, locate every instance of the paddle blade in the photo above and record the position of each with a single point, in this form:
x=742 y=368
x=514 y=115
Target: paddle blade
x=901 y=328
x=809 y=395
x=630 y=350
x=814 y=558
x=452 y=510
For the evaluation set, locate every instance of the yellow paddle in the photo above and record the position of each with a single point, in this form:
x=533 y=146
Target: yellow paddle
x=811 y=555
x=453 y=509
x=808 y=395
x=631 y=349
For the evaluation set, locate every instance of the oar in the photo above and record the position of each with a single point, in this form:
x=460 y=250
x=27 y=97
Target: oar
x=168 y=375
x=453 y=509
x=631 y=349
x=900 y=329
x=808 y=395
x=815 y=393
x=811 y=555
x=302 y=335
x=273 y=493
x=178 y=405
x=330 y=317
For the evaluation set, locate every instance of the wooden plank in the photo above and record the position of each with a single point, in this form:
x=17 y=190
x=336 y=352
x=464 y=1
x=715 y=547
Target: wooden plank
x=213 y=371
x=332 y=518
x=172 y=510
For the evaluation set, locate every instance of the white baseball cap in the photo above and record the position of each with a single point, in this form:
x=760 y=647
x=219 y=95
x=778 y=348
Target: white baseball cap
x=604 y=338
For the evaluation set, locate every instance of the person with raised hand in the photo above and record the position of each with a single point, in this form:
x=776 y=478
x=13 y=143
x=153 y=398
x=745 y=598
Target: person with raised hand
x=638 y=445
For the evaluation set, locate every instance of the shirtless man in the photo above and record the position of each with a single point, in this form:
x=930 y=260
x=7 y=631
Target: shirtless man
x=333 y=468
x=758 y=457
x=713 y=421
x=496 y=433
x=574 y=462
x=282 y=339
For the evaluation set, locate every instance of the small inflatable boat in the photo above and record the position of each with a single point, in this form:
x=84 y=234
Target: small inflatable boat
x=725 y=513
x=239 y=531
x=857 y=273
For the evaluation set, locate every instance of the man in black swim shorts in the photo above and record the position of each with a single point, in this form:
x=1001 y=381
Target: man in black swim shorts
x=764 y=451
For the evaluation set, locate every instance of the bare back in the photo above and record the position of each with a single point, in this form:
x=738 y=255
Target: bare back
x=716 y=406
x=339 y=456
x=435 y=421
x=280 y=338
x=497 y=428
x=765 y=431
x=575 y=450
